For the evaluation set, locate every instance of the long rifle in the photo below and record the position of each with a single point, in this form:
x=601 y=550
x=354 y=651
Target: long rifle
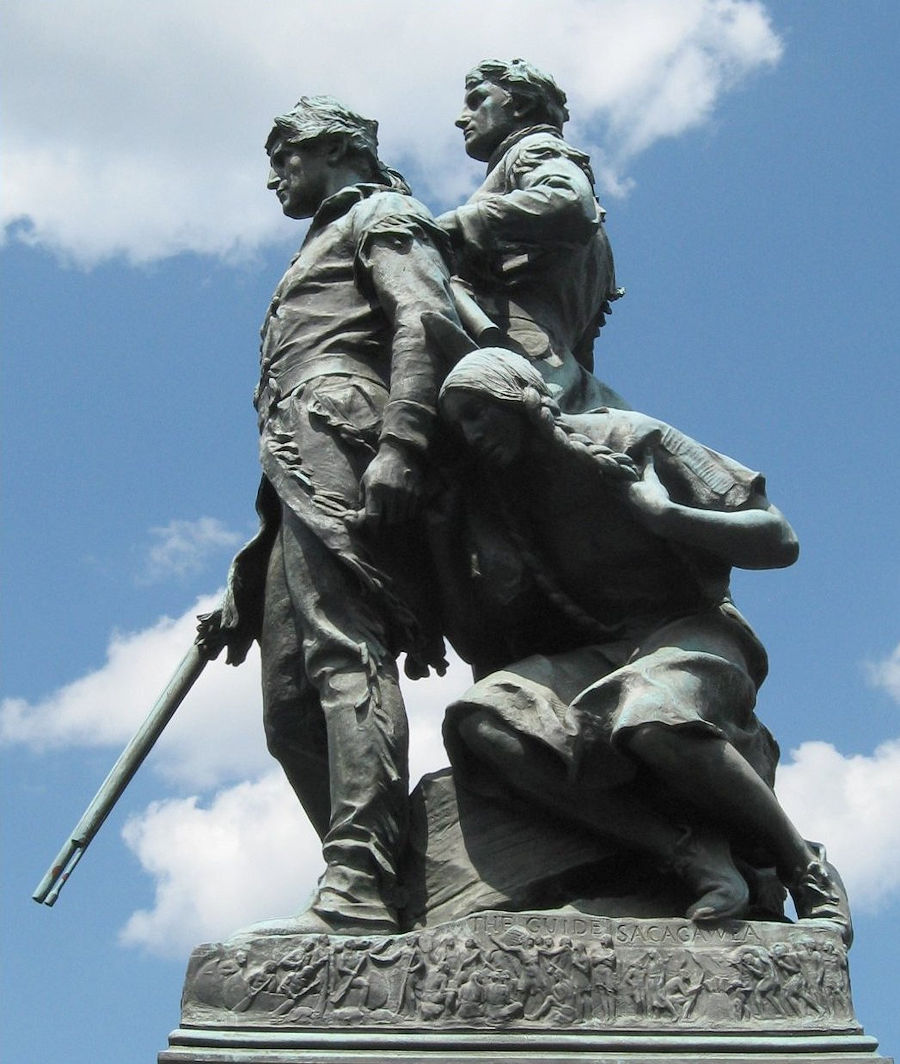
x=130 y=760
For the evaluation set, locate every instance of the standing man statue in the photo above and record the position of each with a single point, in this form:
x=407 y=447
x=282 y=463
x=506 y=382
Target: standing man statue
x=531 y=247
x=347 y=408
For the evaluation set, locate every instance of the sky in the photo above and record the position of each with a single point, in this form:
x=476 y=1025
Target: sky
x=746 y=154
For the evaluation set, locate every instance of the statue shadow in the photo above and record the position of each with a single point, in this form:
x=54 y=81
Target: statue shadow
x=467 y=854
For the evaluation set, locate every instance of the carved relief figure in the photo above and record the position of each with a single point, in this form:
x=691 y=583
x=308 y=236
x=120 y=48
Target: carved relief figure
x=625 y=679
x=681 y=989
x=603 y=979
x=305 y=982
x=436 y=995
x=347 y=408
x=500 y=1004
x=578 y=966
x=531 y=245
x=794 y=987
x=834 y=979
x=759 y=986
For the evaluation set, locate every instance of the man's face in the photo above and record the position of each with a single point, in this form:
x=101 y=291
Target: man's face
x=494 y=431
x=487 y=119
x=299 y=176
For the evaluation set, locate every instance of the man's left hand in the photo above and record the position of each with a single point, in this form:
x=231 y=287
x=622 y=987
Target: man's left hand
x=392 y=488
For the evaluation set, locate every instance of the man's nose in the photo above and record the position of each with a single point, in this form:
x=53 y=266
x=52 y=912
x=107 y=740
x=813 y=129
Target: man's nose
x=273 y=178
x=463 y=119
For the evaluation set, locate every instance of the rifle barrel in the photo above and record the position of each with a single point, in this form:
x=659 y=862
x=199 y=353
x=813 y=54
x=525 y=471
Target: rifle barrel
x=120 y=775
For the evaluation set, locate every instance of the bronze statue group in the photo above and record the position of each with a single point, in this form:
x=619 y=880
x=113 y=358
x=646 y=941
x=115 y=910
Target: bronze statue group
x=418 y=484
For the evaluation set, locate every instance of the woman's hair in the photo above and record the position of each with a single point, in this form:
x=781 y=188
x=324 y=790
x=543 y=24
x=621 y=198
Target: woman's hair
x=501 y=376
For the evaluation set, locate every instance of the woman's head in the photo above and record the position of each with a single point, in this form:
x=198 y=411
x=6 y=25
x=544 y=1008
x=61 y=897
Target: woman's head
x=501 y=405
x=490 y=397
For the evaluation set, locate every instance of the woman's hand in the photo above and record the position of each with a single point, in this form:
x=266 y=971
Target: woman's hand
x=648 y=496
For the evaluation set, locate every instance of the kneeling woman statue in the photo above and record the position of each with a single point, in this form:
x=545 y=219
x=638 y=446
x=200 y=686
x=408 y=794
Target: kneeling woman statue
x=585 y=563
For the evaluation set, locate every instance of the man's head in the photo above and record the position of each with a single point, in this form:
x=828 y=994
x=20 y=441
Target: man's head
x=315 y=149
x=503 y=97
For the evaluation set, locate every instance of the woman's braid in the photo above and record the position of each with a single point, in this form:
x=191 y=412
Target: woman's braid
x=543 y=412
x=542 y=575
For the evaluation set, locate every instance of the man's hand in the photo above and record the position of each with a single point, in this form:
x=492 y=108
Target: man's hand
x=449 y=222
x=392 y=487
x=212 y=637
x=417 y=669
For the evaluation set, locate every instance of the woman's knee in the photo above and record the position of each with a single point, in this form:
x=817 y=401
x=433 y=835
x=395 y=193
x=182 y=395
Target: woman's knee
x=672 y=750
x=646 y=742
x=478 y=731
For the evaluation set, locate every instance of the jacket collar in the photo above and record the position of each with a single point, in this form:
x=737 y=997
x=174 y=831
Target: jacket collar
x=341 y=201
x=514 y=138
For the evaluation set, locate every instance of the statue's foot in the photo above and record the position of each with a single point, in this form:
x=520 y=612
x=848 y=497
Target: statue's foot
x=703 y=860
x=345 y=902
x=767 y=892
x=313 y=922
x=819 y=893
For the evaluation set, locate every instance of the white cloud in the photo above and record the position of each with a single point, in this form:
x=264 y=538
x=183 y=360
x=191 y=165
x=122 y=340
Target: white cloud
x=215 y=868
x=247 y=852
x=182 y=548
x=886 y=674
x=105 y=706
x=249 y=855
x=215 y=736
x=143 y=133
x=852 y=804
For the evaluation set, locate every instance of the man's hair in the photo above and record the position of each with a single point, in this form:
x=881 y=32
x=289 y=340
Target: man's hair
x=525 y=83
x=325 y=119
x=315 y=117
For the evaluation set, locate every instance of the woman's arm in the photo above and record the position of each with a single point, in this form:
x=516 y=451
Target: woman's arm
x=755 y=537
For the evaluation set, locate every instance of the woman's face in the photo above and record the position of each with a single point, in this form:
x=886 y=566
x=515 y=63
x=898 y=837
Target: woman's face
x=495 y=431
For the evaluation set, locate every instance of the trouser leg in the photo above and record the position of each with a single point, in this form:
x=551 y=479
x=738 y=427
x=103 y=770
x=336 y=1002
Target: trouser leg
x=354 y=680
x=294 y=726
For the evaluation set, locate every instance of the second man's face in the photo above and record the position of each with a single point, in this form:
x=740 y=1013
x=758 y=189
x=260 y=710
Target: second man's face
x=487 y=119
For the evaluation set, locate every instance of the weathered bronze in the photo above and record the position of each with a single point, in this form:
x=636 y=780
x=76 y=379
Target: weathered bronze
x=531 y=972
x=601 y=874
x=531 y=245
x=585 y=563
x=335 y=585
x=579 y=560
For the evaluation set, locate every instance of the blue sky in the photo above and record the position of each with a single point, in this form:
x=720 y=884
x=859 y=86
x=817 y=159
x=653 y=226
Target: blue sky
x=747 y=157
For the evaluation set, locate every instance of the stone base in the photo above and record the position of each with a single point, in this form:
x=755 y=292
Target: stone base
x=516 y=987
x=506 y=1047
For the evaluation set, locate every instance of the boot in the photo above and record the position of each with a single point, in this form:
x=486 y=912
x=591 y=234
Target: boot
x=819 y=893
x=702 y=859
x=359 y=901
x=345 y=902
